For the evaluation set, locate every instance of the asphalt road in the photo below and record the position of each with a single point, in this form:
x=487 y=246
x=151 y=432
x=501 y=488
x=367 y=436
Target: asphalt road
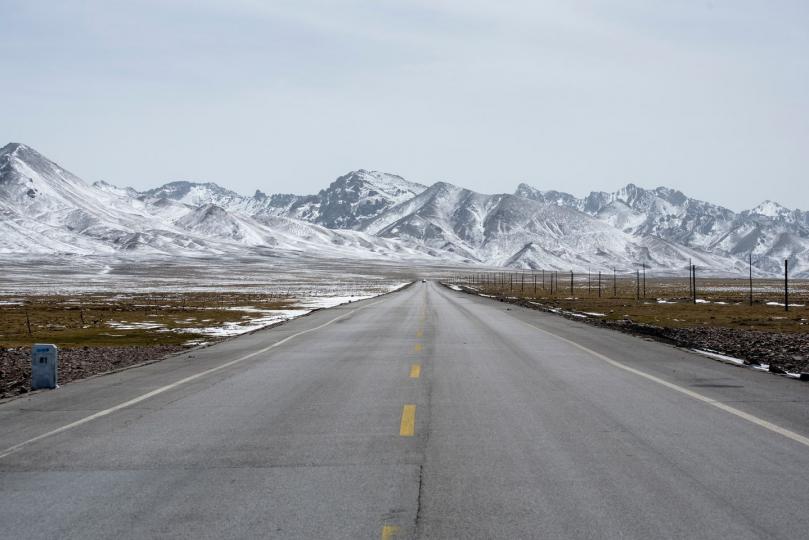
x=426 y=413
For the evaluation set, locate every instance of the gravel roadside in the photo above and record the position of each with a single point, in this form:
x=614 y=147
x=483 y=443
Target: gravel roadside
x=784 y=352
x=78 y=363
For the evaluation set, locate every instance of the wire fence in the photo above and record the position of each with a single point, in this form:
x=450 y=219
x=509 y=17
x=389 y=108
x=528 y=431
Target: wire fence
x=642 y=284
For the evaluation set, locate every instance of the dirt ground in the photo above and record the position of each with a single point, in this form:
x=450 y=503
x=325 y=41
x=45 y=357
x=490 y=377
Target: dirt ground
x=117 y=320
x=97 y=333
x=76 y=363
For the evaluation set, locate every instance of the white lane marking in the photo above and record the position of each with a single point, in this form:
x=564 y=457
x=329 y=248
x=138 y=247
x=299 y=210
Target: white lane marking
x=173 y=385
x=690 y=393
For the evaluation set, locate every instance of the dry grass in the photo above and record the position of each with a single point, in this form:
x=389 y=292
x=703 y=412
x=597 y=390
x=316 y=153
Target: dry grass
x=667 y=302
x=111 y=320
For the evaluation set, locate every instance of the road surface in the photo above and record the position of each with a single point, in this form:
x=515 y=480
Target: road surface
x=426 y=413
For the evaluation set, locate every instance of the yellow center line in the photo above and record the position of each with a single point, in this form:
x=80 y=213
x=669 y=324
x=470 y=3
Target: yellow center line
x=389 y=531
x=415 y=371
x=418 y=347
x=408 y=425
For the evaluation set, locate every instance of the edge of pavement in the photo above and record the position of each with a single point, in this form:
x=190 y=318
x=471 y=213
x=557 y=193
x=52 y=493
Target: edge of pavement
x=636 y=331
x=201 y=346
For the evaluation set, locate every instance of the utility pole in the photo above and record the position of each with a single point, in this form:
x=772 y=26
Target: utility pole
x=786 y=284
x=637 y=284
x=571 y=284
x=614 y=284
x=750 y=266
x=644 y=280
x=694 y=282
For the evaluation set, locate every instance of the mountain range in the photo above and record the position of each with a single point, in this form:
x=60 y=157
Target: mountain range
x=45 y=209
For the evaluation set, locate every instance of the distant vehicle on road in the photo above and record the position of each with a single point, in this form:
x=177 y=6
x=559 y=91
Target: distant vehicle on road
x=424 y=281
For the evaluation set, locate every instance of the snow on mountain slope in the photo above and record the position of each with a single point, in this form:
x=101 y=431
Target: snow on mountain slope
x=348 y=203
x=367 y=214
x=548 y=197
x=40 y=189
x=359 y=196
x=215 y=222
x=126 y=192
x=194 y=194
x=771 y=209
x=662 y=212
x=770 y=231
x=309 y=237
x=46 y=209
x=516 y=231
x=49 y=206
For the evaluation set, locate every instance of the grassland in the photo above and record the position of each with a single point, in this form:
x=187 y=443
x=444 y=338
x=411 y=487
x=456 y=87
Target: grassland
x=97 y=333
x=121 y=320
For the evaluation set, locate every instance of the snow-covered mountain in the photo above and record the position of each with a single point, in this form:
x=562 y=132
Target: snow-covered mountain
x=662 y=212
x=194 y=194
x=507 y=230
x=45 y=209
x=769 y=231
x=348 y=203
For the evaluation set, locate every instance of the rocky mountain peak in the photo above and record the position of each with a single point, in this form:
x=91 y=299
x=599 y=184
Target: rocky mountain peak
x=771 y=209
x=45 y=208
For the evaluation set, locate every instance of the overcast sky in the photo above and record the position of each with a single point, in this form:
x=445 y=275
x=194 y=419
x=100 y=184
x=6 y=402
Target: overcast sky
x=710 y=97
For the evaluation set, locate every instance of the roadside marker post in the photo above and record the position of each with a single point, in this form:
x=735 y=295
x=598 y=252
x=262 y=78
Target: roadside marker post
x=44 y=364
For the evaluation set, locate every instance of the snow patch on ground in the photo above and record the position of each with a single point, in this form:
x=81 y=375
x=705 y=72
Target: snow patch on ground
x=723 y=357
x=733 y=360
x=268 y=317
x=134 y=325
x=230 y=329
